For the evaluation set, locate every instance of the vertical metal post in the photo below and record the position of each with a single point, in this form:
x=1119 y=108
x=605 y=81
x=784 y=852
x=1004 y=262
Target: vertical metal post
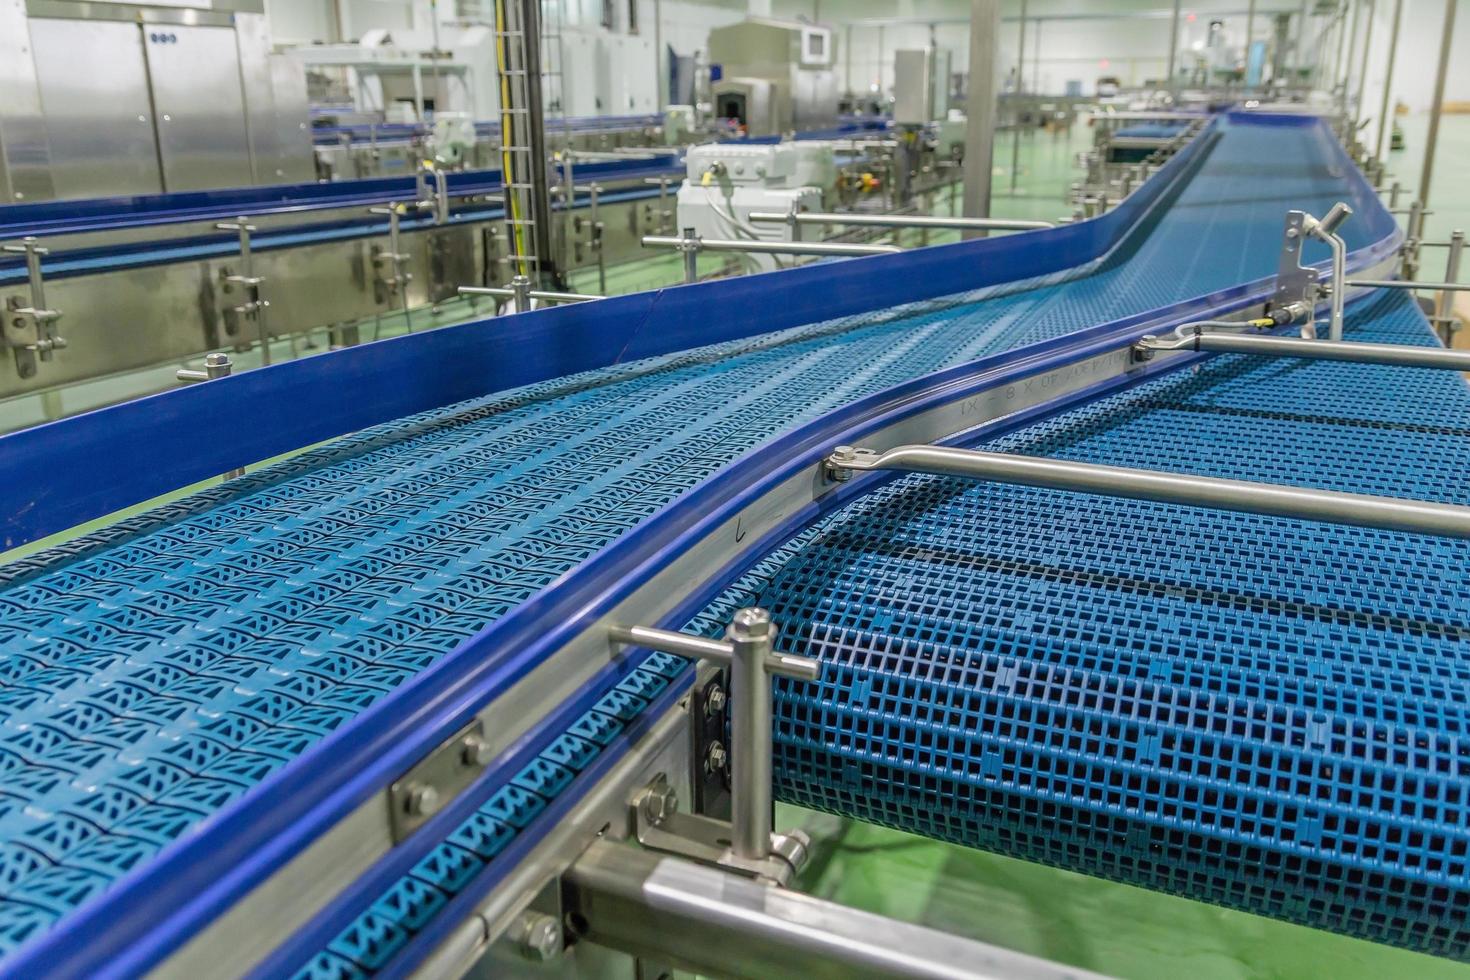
x=690 y=247
x=980 y=108
x=1345 y=44
x=1413 y=234
x=594 y=193
x=1395 y=191
x=1250 y=33
x=1442 y=311
x=253 y=307
x=522 y=287
x=1447 y=36
x=1363 y=67
x=1300 y=48
x=216 y=365
x=750 y=636
x=1385 y=121
x=1016 y=97
x=1173 y=46
x=400 y=281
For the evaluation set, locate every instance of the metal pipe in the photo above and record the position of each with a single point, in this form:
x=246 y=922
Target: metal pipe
x=1298 y=503
x=1173 y=47
x=769 y=248
x=1442 y=309
x=1325 y=230
x=1016 y=115
x=718 y=652
x=893 y=221
x=689 y=245
x=1385 y=121
x=1431 y=141
x=1451 y=287
x=1363 y=67
x=544 y=296
x=521 y=291
x=716 y=923
x=749 y=637
x=1392 y=355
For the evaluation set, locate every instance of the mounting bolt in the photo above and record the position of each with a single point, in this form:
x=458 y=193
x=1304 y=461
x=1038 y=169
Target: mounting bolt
x=660 y=803
x=539 y=936
x=751 y=623
x=714 y=700
x=715 y=758
x=421 y=800
x=835 y=469
x=476 y=752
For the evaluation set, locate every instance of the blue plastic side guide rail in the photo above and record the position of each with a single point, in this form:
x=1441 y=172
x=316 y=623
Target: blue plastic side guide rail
x=256 y=660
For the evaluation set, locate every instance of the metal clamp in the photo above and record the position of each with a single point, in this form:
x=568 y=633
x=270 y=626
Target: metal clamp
x=30 y=330
x=746 y=844
x=254 y=306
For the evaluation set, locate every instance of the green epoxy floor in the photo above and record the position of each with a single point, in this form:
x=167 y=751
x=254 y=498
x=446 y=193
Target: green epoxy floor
x=1086 y=922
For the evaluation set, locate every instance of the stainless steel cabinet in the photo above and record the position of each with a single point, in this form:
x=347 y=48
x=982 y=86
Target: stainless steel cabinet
x=94 y=91
x=195 y=71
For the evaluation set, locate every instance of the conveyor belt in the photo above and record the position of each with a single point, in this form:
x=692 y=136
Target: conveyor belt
x=155 y=671
x=1265 y=713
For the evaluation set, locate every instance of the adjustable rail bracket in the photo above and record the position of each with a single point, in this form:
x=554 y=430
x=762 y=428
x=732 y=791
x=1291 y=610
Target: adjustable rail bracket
x=29 y=328
x=746 y=844
x=661 y=826
x=1299 y=287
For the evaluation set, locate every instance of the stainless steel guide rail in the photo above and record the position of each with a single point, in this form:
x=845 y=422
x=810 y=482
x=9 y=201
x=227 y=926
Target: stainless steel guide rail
x=1216 y=342
x=1299 y=503
x=795 y=218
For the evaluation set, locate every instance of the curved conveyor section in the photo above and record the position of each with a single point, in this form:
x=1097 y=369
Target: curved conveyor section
x=152 y=673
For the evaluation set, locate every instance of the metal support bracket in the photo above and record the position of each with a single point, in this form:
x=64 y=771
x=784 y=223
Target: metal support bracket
x=746 y=844
x=437 y=778
x=30 y=330
x=662 y=827
x=254 y=306
x=1299 y=287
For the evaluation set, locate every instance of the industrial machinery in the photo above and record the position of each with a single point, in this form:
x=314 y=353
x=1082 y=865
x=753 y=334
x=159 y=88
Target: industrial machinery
x=1029 y=543
x=152 y=281
x=120 y=99
x=777 y=76
x=727 y=182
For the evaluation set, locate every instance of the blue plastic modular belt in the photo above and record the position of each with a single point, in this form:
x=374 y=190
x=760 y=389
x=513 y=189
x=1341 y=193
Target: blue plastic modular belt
x=1264 y=713
x=155 y=671
x=1154 y=130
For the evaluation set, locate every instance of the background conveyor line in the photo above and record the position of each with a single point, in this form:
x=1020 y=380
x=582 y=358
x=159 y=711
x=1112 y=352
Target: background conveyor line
x=160 y=669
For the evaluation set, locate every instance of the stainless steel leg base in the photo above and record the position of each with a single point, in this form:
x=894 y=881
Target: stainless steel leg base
x=662 y=827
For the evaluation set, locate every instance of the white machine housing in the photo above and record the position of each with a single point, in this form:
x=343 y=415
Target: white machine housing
x=727 y=181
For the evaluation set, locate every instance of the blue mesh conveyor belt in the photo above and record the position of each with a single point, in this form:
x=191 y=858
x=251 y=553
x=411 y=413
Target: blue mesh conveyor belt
x=1265 y=713
x=153 y=672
